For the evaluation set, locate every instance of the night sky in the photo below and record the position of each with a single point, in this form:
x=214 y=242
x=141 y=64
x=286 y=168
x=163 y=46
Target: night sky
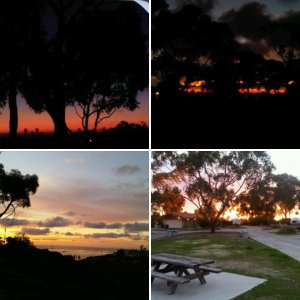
x=247 y=18
x=95 y=199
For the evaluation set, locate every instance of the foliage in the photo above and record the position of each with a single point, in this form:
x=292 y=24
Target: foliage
x=212 y=181
x=258 y=203
x=287 y=230
x=167 y=201
x=15 y=190
x=20 y=242
x=17 y=29
x=286 y=192
x=81 y=61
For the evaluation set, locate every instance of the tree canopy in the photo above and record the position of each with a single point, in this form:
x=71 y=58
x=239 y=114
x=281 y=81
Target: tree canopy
x=211 y=181
x=15 y=190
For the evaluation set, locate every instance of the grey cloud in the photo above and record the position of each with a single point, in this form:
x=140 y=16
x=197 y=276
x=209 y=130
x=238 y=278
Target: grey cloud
x=138 y=237
x=136 y=227
x=94 y=225
x=35 y=231
x=14 y=222
x=205 y=5
x=249 y=21
x=70 y=213
x=55 y=222
x=128 y=227
x=127 y=169
x=288 y=2
x=69 y=233
x=107 y=235
x=114 y=226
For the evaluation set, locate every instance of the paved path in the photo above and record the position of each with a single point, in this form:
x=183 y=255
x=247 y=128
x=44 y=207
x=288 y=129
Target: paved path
x=218 y=287
x=288 y=244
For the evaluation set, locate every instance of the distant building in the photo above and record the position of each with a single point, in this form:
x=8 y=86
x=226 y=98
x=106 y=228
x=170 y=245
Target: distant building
x=236 y=221
x=180 y=220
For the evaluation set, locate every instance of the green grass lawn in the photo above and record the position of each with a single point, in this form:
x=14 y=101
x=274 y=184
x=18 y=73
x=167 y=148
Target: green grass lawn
x=242 y=256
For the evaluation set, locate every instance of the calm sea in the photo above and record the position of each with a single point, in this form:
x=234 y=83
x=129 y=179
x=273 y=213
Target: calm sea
x=83 y=252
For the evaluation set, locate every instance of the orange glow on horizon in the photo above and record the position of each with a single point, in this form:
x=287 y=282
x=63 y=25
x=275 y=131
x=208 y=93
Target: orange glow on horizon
x=200 y=87
x=32 y=121
x=58 y=237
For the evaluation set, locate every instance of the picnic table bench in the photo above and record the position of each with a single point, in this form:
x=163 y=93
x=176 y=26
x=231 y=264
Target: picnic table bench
x=178 y=269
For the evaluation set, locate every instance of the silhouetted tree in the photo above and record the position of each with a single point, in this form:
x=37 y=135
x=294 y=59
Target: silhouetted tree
x=96 y=57
x=19 y=242
x=15 y=190
x=212 y=181
x=259 y=202
x=190 y=40
x=18 y=21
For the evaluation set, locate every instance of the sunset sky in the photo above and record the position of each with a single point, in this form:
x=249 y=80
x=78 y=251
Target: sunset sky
x=94 y=199
x=285 y=161
x=30 y=120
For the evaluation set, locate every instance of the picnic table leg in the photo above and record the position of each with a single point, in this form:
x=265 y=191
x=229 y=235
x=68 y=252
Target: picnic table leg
x=201 y=275
x=173 y=287
x=156 y=267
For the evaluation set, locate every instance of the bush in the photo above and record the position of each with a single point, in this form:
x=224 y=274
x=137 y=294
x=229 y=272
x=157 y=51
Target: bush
x=287 y=230
x=275 y=226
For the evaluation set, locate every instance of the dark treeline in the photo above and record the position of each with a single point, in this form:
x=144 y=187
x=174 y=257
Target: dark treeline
x=237 y=60
x=31 y=273
x=90 y=54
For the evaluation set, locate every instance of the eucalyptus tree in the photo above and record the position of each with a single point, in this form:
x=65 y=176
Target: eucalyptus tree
x=286 y=189
x=92 y=55
x=211 y=180
x=16 y=190
x=18 y=22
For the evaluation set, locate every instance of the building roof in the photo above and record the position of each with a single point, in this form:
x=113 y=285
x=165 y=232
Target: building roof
x=181 y=215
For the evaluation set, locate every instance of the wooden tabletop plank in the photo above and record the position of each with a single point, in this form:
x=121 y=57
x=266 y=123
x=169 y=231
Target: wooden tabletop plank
x=180 y=260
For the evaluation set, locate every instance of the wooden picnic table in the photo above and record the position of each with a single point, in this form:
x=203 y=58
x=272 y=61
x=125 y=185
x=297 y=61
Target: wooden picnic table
x=179 y=269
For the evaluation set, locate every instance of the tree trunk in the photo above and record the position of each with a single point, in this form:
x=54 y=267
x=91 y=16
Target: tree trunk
x=58 y=116
x=13 y=111
x=212 y=227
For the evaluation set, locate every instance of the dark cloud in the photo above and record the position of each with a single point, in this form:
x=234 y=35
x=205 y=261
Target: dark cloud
x=69 y=233
x=205 y=5
x=288 y=2
x=249 y=21
x=291 y=17
x=127 y=169
x=128 y=227
x=136 y=227
x=70 y=213
x=55 y=222
x=35 y=231
x=138 y=237
x=94 y=225
x=14 y=222
x=107 y=235
x=114 y=226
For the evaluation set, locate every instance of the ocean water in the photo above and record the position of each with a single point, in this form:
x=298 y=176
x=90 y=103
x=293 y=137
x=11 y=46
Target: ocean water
x=82 y=252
